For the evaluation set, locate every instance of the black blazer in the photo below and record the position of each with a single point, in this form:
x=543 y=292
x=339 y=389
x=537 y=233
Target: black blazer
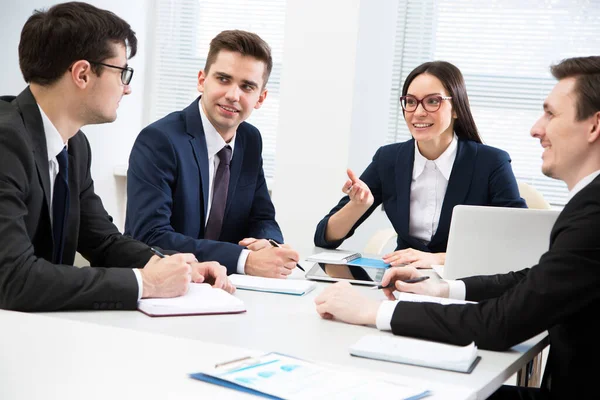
x=481 y=175
x=561 y=294
x=28 y=281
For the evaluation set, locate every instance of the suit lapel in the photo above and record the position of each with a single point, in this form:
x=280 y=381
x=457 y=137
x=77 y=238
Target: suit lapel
x=193 y=123
x=34 y=125
x=235 y=168
x=404 y=169
x=458 y=186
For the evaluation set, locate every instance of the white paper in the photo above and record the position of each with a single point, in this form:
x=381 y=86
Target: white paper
x=338 y=257
x=273 y=285
x=291 y=378
x=200 y=299
x=416 y=352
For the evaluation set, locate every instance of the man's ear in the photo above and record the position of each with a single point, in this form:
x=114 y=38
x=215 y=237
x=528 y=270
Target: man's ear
x=81 y=73
x=201 y=80
x=594 y=133
x=261 y=99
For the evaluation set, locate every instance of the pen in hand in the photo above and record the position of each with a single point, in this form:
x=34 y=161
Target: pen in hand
x=414 y=280
x=275 y=244
x=158 y=253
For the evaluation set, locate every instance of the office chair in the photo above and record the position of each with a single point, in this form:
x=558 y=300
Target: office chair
x=532 y=197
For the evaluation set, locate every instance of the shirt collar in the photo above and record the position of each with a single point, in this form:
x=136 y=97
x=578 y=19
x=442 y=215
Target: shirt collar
x=581 y=184
x=54 y=142
x=444 y=162
x=214 y=141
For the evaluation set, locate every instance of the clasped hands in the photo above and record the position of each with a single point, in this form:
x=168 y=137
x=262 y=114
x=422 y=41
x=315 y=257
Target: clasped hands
x=171 y=276
x=345 y=303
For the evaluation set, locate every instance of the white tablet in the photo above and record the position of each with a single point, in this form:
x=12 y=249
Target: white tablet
x=343 y=272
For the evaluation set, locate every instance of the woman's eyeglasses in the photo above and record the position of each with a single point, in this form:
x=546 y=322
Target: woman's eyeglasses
x=430 y=103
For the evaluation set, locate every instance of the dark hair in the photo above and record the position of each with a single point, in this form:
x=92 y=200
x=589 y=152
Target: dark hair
x=52 y=40
x=245 y=43
x=586 y=71
x=453 y=82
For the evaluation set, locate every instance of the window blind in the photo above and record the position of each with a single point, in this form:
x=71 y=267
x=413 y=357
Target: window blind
x=182 y=34
x=504 y=50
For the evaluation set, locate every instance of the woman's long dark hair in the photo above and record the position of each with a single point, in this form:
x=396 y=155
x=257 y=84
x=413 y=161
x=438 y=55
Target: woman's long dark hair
x=453 y=82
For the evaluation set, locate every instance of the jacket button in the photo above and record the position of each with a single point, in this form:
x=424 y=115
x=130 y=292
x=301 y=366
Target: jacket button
x=111 y=306
x=96 y=306
x=103 y=306
x=119 y=305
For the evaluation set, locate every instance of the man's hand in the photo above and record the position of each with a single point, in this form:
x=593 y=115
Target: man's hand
x=357 y=190
x=414 y=258
x=254 y=244
x=167 y=277
x=213 y=273
x=396 y=275
x=343 y=302
x=271 y=262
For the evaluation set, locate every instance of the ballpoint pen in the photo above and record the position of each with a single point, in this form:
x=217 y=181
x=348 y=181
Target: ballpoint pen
x=158 y=253
x=414 y=280
x=275 y=244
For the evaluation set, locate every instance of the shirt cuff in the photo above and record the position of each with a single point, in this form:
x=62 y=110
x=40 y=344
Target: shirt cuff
x=384 y=315
x=241 y=265
x=456 y=290
x=138 y=277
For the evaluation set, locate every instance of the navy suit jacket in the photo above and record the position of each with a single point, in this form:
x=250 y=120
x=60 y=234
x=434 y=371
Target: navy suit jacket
x=481 y=175
x=167 y=190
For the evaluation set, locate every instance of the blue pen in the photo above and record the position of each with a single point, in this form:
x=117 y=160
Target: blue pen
x=275 y=244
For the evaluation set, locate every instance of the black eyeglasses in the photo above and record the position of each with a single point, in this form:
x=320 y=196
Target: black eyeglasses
x=126 y=72
x=430 y=103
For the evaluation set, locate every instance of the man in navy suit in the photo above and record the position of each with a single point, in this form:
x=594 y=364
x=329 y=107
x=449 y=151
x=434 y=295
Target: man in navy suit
x=195 y=181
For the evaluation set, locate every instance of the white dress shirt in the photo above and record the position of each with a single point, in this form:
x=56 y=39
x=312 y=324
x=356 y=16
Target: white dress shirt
x=55 y=144
x=457 y=288
x=427 y=191
x=214 y=144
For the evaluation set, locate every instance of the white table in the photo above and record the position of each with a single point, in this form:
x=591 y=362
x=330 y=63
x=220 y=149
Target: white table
x=42 y=357
x=290 y=324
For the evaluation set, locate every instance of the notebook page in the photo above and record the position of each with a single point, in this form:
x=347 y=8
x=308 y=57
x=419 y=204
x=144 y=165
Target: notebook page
x=201 y=298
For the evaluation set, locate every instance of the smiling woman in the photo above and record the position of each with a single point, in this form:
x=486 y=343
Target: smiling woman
x=420 y=181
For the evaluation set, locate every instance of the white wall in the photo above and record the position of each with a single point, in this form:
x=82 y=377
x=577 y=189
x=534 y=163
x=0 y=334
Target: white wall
x=334 y=107
x=111 y=143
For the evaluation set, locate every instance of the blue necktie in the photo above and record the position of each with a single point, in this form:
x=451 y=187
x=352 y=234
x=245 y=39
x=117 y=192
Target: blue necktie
x=60 y=205
x=219 y=199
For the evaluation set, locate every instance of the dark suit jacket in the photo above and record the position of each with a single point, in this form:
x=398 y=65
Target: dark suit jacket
x=481 y=175
x=28 y=281
x=561 y=294
x=167 y=190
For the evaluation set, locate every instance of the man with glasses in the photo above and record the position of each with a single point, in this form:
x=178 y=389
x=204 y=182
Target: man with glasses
x=74 y=58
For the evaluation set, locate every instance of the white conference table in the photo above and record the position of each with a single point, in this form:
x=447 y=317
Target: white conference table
x=47 y=358
x=290 y=325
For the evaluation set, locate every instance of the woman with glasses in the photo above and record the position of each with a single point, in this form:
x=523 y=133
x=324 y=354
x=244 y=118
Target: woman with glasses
x=421 y=180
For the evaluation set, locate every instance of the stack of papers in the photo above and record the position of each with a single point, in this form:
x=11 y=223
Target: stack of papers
x=285 y=286
x=412 y=351
x=201 y=298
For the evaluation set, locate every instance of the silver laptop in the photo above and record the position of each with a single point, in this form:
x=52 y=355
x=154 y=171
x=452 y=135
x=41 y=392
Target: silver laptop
x=494 y=240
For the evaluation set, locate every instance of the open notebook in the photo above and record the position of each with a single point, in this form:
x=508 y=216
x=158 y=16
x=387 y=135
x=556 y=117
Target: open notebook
x=200 y=299
x=285 y=286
